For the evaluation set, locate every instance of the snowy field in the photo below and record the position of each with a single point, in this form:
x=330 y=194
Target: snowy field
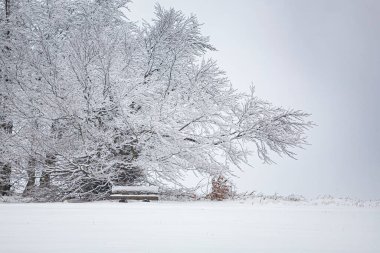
x=188 y=227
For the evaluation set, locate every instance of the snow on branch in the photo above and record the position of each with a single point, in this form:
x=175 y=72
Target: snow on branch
x=90 y=100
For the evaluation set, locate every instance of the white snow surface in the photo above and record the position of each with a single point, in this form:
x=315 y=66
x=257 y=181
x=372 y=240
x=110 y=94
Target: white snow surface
x=199 y=226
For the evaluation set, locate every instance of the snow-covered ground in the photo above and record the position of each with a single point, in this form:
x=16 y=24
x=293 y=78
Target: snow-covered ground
x=201 y=226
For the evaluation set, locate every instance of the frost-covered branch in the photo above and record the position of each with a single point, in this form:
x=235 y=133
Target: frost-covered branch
x=90 y=100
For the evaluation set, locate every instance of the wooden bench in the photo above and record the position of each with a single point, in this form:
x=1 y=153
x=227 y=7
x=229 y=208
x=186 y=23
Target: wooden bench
x=144 y=193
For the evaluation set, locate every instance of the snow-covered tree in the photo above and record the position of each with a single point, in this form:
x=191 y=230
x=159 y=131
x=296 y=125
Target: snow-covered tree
x=96 y=100
x=6 y=124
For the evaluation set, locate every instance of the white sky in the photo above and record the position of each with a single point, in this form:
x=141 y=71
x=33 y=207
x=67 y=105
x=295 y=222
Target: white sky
x=319 y=56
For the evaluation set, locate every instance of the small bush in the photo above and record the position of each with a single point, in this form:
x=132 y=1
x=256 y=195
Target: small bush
x=221 y=189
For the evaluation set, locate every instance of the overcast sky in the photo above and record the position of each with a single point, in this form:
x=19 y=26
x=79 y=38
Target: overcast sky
x=319 y=56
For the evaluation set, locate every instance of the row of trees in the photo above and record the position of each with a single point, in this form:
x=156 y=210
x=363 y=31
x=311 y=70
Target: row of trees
x=89 y=99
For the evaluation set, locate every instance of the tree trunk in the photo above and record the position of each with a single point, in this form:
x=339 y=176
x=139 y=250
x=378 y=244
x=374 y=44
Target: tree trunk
x=45 y=177
x=5 y=179
x=7 y=8
x=5 y=125
x=45 y=180
x=31 y=176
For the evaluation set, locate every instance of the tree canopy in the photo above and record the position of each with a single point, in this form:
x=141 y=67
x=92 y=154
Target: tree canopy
x=90 y=99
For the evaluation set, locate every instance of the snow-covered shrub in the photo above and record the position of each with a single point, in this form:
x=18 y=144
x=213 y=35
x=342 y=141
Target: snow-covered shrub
x=221 y=188
x=294 y=197
x=182 y=194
